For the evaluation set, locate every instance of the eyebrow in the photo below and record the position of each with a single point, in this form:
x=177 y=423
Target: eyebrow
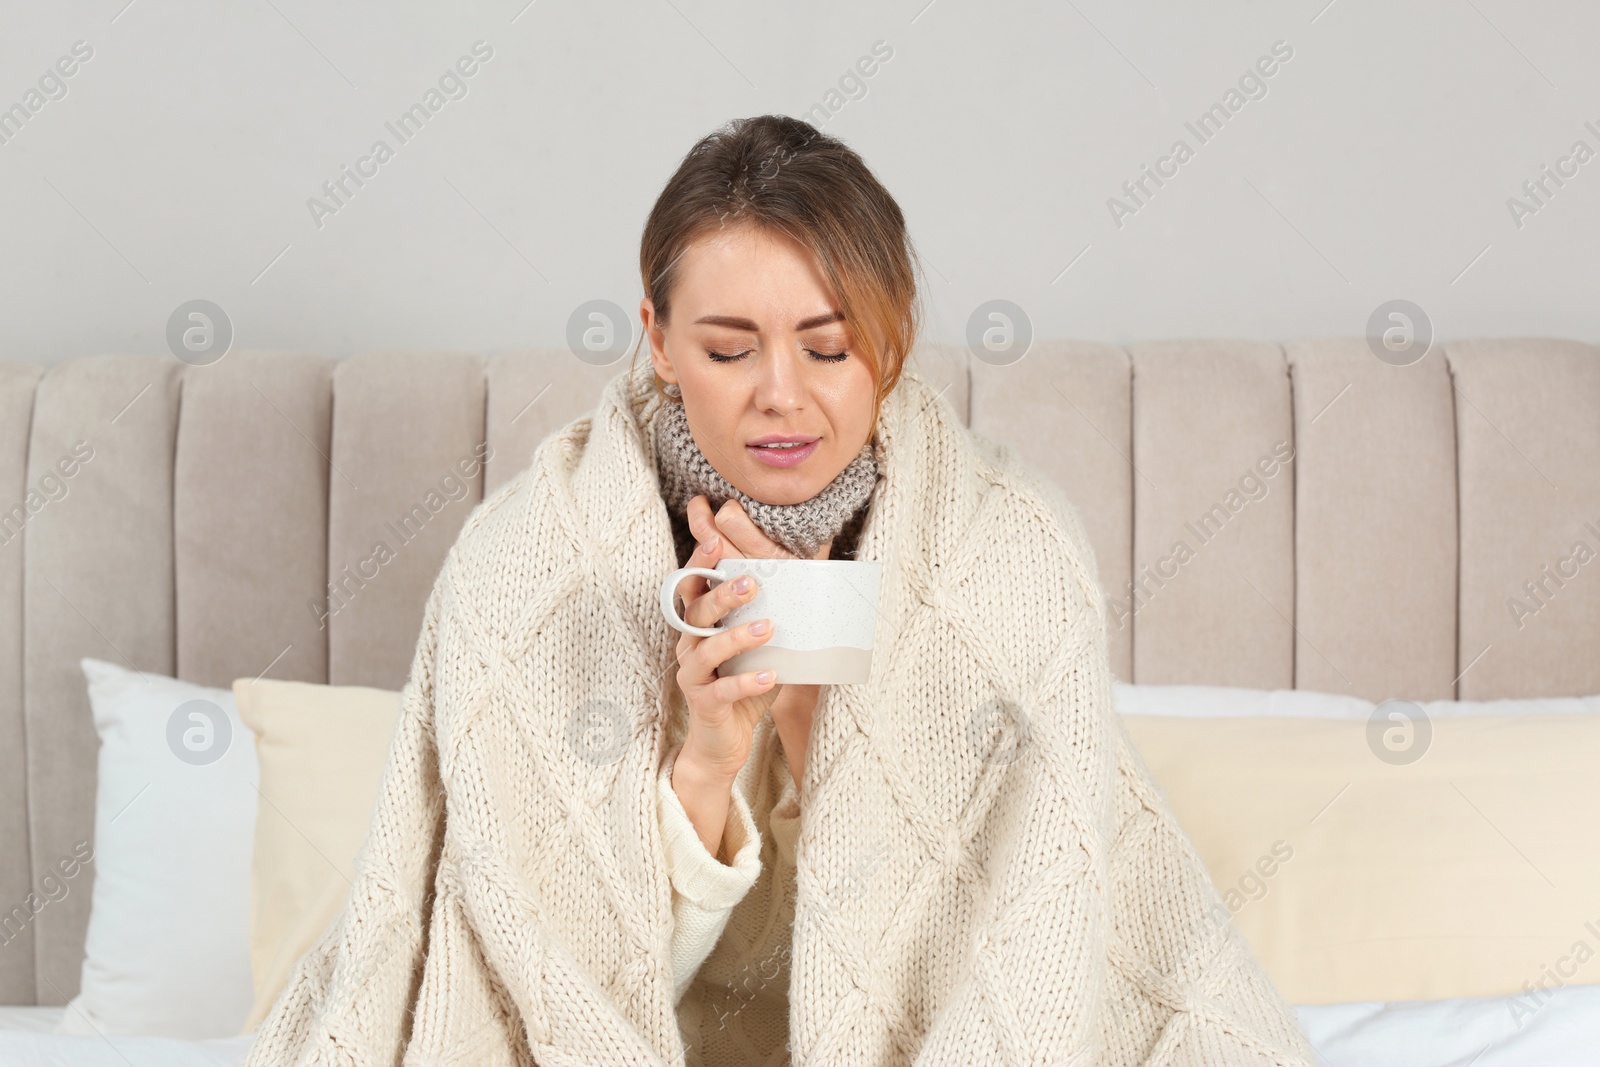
x=737 y=323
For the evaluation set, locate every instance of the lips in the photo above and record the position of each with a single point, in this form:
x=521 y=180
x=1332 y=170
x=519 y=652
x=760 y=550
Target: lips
x=780 y=455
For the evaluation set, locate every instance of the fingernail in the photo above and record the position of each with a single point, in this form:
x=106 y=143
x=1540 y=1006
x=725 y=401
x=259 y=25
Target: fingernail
x=742 y=585
x=764 y=677
x=709 y=543
x=760 y=626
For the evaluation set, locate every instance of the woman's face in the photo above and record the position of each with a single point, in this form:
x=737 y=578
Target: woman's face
x=752 y=343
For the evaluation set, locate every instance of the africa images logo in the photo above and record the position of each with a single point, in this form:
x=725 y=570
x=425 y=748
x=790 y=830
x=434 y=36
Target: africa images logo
x=452 y=85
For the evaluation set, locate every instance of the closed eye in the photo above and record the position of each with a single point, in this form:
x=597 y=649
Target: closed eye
x=734 y=357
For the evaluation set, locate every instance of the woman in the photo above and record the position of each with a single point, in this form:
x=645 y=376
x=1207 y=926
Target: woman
x=590 y=849
x=771 y=399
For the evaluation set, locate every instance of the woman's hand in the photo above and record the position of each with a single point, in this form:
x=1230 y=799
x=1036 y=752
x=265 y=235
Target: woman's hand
x=748 y=541
x=723 y=711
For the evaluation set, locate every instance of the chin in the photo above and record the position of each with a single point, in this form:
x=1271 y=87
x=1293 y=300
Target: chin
x=789 y=496
x=784 y=487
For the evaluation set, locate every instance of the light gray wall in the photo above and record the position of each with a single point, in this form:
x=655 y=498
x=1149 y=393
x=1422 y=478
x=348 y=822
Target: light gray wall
x=1378 y=164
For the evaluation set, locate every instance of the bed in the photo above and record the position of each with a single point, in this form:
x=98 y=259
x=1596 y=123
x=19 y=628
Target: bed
x=1354 y=531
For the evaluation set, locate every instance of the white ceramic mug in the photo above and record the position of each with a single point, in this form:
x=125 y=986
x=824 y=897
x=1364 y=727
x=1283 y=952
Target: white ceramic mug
x=824 y=613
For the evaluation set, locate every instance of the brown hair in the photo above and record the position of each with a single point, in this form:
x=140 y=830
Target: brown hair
x=784 y=175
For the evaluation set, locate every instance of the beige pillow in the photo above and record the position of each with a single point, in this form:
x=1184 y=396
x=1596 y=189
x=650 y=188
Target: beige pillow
x=1472 y=871
x=322 y=751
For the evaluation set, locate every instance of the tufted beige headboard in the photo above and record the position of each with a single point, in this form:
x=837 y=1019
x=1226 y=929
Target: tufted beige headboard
x=1268 y=516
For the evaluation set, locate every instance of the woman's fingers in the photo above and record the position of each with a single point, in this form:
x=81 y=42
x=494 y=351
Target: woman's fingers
x=705 y=604
x=691 y=590
x=721 y=599
x=735 y=524
x=702 y=525
x=711 y=652
x=736 y=687
x=732 y=528
x=707 y=553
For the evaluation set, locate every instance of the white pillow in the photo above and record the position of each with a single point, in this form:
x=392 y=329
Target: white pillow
x=167 y=951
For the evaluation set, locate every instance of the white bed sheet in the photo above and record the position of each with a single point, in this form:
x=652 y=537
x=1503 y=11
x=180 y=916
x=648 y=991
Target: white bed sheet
x=1560 y=1028
x=26 y=1041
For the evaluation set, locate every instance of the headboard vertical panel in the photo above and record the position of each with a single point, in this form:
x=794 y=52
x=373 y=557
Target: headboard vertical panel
x=533 y=393
x=1528 y=427
x=17 y=384
x=99 y=583
x=407 y=469
x=250 y=496
x=1375 y=523
x=1213 y=533
x=1066 y=407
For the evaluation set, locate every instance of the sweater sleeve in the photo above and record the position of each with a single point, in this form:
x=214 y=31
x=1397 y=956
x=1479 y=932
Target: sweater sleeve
x=704 y=889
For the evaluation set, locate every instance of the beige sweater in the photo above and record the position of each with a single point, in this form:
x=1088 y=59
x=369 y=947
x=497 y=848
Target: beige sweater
x=733 y=1008
x=983 y=873
x=704 y=888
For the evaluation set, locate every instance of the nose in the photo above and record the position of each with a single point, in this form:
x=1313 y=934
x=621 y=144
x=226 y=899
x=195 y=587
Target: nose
x=780 y=382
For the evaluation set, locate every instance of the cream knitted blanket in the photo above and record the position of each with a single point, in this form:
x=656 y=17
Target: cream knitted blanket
x=1039 y=905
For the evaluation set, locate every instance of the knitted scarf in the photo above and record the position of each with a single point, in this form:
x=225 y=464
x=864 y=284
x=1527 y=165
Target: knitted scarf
x=986 y=874
x=802 y=528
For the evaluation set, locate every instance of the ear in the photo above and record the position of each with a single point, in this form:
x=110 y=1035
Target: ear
x=655 y=338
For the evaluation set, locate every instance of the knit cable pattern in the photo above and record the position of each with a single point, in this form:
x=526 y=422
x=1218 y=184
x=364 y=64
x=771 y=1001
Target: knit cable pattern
x=1028 y=896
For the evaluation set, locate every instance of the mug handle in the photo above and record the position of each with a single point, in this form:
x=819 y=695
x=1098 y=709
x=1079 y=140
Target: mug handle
x=669 y=595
